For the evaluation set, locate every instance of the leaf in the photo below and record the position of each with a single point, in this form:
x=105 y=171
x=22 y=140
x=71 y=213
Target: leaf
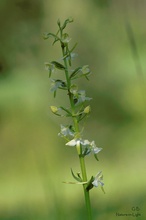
x=54 y=94
x=69 y=113
x=102 y=189
x=72 y=55
x=96 y=157
x=82 y=71
x=58 y=65
x=81 y=117
x=75 y=72
x=78 y=178
x=69 y=59
x=73 y=47
x=82 y=183
x=89 y=184
x=79 y=175
x=57 y=39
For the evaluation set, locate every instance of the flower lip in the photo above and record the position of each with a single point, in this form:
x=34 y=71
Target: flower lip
x=75 y=142
x=98 y=180
x=72 y=143
x=96 y=150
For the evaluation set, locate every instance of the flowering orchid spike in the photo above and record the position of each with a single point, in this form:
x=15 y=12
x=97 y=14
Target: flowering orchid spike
x=77 y=110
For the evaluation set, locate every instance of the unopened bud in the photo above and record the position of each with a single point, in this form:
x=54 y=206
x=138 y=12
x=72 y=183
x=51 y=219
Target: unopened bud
x=54 y=109
x=87 y=109
x=58 y=22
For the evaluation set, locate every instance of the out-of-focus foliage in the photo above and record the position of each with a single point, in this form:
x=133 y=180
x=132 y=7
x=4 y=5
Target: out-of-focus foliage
x=20 y=22
x=33 y=159
x=102 y=3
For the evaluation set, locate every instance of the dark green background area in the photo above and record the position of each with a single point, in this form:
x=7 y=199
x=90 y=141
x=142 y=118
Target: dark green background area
x=34 y=161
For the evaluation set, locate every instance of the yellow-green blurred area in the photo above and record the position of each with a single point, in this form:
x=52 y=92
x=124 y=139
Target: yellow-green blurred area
x=34 y=161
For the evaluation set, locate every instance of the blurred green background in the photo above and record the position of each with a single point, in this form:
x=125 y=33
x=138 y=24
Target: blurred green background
x=33 y=159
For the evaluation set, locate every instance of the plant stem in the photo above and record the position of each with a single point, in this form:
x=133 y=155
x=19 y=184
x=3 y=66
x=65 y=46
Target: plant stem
x=77 y=130
x=86 y=193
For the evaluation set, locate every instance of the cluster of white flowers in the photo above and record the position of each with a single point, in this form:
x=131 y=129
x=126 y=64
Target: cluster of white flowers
x=87 y=146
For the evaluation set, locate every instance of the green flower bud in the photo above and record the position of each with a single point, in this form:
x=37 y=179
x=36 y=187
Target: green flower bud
x=87 y=109
x=54 y=109
x=58 y=22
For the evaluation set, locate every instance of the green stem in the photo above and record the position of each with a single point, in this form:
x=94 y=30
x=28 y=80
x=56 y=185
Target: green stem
x=86 y=193
x=69 y=93
x=76 y=125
